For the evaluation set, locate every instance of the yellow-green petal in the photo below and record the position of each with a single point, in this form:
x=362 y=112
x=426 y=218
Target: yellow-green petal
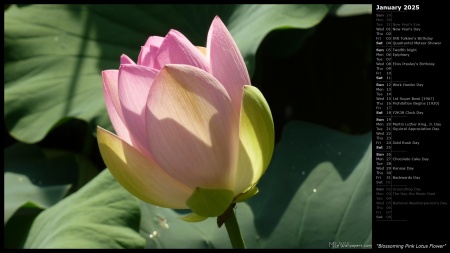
x=247 y=195
x=257 y=139
x=139 y=174
x=193 y=217
x=210 y=202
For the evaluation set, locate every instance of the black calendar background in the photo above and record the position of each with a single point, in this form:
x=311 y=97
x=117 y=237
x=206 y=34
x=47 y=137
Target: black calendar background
x=416 y=224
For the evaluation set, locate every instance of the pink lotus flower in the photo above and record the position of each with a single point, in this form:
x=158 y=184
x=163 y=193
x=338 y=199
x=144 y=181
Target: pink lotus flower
x=191 y=130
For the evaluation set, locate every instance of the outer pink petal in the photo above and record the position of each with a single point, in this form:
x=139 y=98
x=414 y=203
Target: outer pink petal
x=177 y=49
x=226 y=62
x=110 y=91
x=139 y=174
x=149 y=50
x=134 y=85
x=124 y=59
x=192 y=127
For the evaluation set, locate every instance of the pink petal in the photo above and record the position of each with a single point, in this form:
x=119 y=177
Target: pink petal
x=124 y=59
x=192 y=128
x=148 y=52
x=110 y=87
x=177 y=49
x=134 y=85
x=144 y=57
x=154 y=41
x=226 y=62
x=202 y=50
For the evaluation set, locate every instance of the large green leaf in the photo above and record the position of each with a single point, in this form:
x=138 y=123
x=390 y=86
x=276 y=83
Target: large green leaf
x=324 y=189
x=317 y=190
x=20 y=191
x=16 y=230
x=100 y=215
x=35 y=179
x=54 y=54
x=346 y=10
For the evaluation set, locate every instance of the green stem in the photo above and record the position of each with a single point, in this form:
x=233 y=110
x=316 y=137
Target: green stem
x=233 y=231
